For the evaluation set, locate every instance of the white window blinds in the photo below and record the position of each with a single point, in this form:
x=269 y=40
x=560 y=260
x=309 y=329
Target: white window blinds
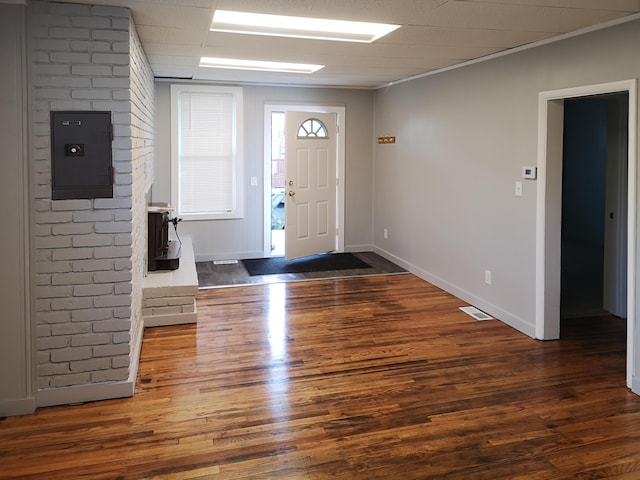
x=208 y=160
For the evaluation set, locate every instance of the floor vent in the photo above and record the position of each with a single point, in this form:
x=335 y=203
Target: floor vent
x=475 y=313
x=225 y=262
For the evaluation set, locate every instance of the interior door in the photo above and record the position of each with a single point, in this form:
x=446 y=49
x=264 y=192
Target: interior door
x=310 y=190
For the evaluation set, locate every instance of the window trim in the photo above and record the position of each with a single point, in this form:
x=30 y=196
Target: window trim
x=238 y=187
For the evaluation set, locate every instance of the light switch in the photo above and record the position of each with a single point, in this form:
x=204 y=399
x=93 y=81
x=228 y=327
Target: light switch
x=518 y=189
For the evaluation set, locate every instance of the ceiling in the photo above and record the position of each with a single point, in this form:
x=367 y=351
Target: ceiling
x=435 y=34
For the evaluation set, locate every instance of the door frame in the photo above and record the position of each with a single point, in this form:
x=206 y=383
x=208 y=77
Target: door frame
x=339 y=111
x=548 y=215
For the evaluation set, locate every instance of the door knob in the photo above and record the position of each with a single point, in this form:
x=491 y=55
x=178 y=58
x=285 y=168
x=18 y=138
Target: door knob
x=290 y=183
x=291 y=193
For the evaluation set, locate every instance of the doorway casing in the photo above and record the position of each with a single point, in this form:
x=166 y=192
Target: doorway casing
x=339 y=111
x=548 y=216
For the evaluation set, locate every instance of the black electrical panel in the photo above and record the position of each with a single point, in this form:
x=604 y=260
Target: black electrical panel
x=81 y=162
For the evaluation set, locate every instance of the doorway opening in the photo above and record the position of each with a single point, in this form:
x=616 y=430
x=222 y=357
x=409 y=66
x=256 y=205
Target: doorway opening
x=594 y=207
x=549 y=237
x=275 y=187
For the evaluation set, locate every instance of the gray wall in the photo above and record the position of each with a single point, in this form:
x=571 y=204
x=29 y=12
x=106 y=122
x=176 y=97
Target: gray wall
x=445 y=190
x=243 y=238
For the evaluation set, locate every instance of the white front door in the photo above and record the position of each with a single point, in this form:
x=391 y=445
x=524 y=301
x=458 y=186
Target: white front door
x=310 y=189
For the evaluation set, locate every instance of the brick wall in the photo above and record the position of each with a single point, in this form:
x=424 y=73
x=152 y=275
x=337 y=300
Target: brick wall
x=89 y=253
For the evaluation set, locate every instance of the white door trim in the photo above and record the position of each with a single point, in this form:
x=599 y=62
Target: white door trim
x=549 y=191
x=340 y=167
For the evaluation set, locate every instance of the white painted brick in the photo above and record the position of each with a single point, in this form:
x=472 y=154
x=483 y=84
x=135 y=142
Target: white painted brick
x=110 y=375
x=93 y=216
x=71 y=303
x=101 y=82
x=43 y=331
x=91 y=365
x=122 y=312
x=123 y=191
x=120 y=362
x=120 y=47
x=90 y=46
x=93 y=240
x=92 y=70
x=110 y=301
x=92 y=94
x=92 y=290
x=51 y=69
x=71 y=105
x=54 y=369
x=44 y=382
x=53 y=217
x=92 y=265
x=112 y=203
x=113 y=227
x=94 y=22
x=121 y=337
x=91 y=315
x=122 y=288
x=147 y=312
x=103 y=11
x=71 y=328
x=191 y=308
x=53 y=267
x=69 y=33
x=72 y=229
x=42 y=230
x=72 y=254
x=68 y=9
x=51 y=45
x=54 y=292
x=71 y=205
x=74 y=278
x=109 y=252
x=122 y=264
x=110 y=58
x=54 y=242
x=122 y=239
x=113 y=325
x=69 y=380
x=50 y=20
x=113 y=36
x=53 y=93
x=69 y=57
x=167 y=310
x=52 y=343
x=122 y=24
x=112 y=276
x=43 y=357
x=90 y=339
x=42 y=305
x=110 y=350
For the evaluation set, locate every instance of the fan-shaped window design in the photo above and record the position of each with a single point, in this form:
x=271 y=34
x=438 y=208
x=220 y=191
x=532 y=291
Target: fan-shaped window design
x=312 y=128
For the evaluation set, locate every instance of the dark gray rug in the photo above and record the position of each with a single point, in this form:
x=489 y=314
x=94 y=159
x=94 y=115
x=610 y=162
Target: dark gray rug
x=315 y=263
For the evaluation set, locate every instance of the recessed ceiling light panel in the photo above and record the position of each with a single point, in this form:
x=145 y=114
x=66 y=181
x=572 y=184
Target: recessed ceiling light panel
x=298 y=27
x=259 y=65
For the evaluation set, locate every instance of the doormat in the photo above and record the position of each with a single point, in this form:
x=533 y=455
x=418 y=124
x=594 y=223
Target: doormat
x=314 y=263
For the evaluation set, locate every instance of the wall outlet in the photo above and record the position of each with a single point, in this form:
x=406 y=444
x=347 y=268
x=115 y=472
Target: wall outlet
x=487 y=277
x=385 y=233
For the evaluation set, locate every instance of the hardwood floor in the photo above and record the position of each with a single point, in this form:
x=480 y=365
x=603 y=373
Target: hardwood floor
x=358 y=378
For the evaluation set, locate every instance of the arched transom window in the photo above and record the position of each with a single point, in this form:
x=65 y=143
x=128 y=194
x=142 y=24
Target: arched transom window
x=312 y=128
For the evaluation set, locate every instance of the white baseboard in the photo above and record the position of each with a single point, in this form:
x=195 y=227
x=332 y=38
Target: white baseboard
x=17 y=406
x=508 y=318
x=85 y=393
x=174 y=319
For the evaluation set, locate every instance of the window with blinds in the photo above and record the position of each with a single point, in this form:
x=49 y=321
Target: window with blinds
x=206 y=151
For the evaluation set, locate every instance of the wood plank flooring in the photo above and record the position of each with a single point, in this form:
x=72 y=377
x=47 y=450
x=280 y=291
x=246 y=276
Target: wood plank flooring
x=358 y=378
